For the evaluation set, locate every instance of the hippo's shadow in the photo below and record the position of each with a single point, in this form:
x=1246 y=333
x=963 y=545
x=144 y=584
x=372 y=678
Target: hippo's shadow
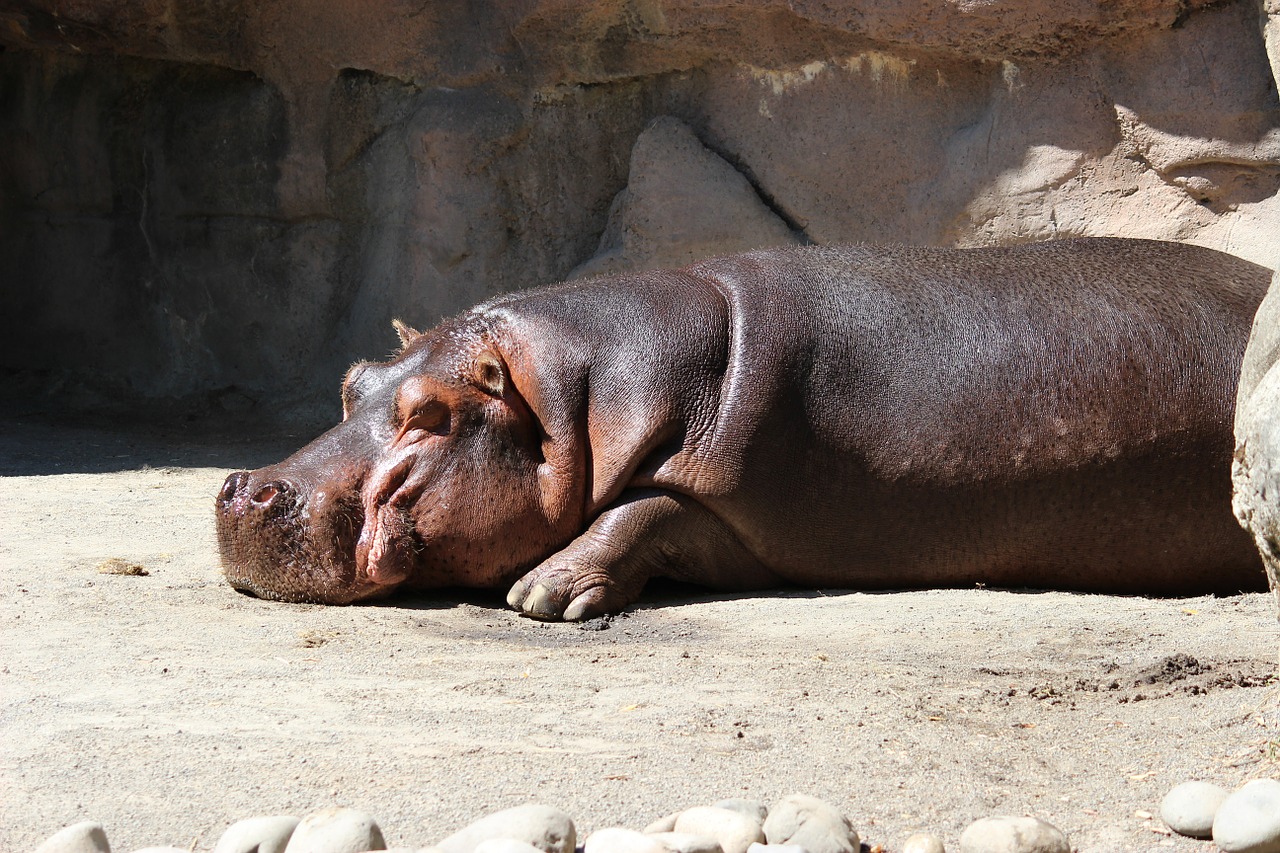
x=659 y=594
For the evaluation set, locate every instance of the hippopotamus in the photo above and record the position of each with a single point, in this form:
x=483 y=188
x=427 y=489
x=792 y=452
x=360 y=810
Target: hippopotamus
x=1052 y=415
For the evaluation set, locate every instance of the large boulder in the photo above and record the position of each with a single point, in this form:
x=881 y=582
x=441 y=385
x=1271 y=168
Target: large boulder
x=1255 y=471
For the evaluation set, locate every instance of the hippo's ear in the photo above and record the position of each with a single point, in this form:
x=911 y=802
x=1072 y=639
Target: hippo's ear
x=406 y=332
x=491 y=373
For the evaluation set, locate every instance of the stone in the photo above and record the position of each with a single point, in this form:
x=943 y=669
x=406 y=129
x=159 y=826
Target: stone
x=619 y=840
x=732 y=830
x=1248 y=821
x=776 y=848
x=751 y=808
x=544 y=827
x=1013 y=835
x=257 y=835
x=923 y=842
x=684 y=842
x=682 y=203
x=1188 y=809
x=161 y=850
x=84 y=837
x=506 y=845
x=662 y=824
x=811 y=823
x=336 y=830
x=1255 y=467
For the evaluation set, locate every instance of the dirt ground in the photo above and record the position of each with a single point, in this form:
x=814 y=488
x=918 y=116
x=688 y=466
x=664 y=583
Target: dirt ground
x=166 y=705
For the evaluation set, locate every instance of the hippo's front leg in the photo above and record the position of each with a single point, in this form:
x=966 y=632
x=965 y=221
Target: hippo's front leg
x=646 y=533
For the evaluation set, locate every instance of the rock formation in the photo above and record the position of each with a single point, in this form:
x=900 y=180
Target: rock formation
x=1255 y=471
x=229 y=201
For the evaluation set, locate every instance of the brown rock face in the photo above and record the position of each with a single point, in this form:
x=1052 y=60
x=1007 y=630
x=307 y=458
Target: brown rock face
x=232 y=199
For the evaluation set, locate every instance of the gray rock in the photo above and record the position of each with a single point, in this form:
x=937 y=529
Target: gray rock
x=751 y=808
x=683 y=202
x=506 y=845
x=1248 y=821
x=923 y=842
x=662 y=824
x=84 y=837
x=684 y=842
x=1013 y=835
x=733 y=831
x=812 y=824
x=336 y=830
x=543 y=827
x=619 y=840
x=161 y=850
x=1188 y=809
x=257 y=835
x=1255 y=466
x=776 y=848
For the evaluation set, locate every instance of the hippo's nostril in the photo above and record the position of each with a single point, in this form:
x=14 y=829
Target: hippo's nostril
x=232 y=485
x=269 y=493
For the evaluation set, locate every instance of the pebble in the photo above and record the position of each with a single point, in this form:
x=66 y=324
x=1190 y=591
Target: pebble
x=751 y=808
x=84 y=837
x=506 y=845
x=257 y=835
x=1248 y=821
x=1013 y=835
x=684 y=842
x=923 y=842
x=336 y=830
x=813 y=824
x=662 y=824
x=1189 y=808
x=734 y=831
x=544 y=827
x=618 y=840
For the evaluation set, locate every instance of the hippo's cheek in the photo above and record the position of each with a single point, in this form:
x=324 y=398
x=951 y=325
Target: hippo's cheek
x=385 y=550
x=278 y=543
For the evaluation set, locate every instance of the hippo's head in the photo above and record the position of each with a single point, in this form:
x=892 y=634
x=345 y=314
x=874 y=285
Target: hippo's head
x=435 y=477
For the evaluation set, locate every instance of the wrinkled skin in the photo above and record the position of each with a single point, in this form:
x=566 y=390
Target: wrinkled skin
x=1056 y=415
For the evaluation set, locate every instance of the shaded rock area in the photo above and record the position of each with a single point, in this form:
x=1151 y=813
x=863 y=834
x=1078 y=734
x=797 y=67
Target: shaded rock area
x=225 y=203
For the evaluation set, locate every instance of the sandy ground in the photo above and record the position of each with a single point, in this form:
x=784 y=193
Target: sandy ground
x=166 y=705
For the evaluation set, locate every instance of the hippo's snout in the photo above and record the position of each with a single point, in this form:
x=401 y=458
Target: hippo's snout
x=245 y=511
x=283 y=539
x=240 y=495
x=232 y=486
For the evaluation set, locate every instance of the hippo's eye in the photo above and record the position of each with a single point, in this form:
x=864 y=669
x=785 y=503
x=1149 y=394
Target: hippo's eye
x=431 y=417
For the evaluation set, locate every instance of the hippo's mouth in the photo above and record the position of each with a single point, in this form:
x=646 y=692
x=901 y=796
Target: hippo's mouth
x=277 y=544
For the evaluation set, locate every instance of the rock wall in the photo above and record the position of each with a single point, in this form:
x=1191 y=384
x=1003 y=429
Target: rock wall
x=228 y=201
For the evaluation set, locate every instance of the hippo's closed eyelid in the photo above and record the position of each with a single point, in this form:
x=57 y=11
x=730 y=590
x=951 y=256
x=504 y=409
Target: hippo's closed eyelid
x=433 y=416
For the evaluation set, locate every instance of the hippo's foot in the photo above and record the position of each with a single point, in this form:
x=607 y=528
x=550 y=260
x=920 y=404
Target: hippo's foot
x=644 y=534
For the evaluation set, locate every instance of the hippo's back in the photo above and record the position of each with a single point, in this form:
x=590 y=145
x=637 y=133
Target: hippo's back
x=910 y=416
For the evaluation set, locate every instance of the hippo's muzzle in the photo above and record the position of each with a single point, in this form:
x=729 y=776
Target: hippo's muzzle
x=281 y=540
